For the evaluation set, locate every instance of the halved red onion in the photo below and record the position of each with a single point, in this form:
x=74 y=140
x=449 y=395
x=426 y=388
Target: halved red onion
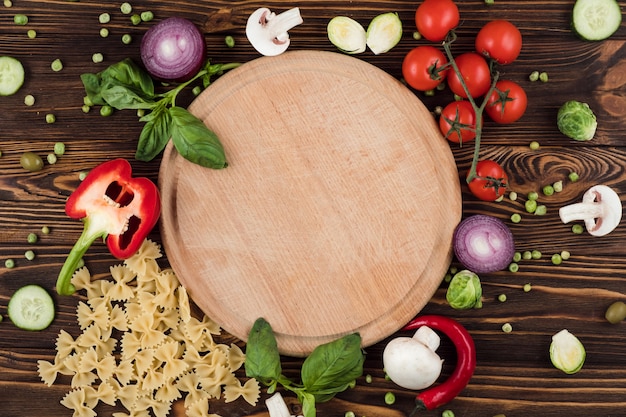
x=173 y=49
x=483 y=244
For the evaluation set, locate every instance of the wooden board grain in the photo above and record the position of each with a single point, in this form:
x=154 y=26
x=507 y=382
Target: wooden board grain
x=335 y=214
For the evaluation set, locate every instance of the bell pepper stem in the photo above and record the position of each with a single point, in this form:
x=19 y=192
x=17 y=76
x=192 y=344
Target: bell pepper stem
x=89 y=235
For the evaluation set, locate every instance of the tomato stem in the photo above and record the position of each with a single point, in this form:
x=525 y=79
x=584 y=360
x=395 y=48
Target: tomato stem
x=477 y=109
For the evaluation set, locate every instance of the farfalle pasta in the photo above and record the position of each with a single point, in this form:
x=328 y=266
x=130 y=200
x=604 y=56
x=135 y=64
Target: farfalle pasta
x=141 y=348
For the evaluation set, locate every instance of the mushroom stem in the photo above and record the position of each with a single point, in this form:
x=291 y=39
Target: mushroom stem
x=601 y=210
x=278 y=25
x=428 y=337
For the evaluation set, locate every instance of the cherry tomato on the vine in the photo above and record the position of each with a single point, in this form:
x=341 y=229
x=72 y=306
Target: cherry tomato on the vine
x=476 y=75
x=435 y=18
x=457 y=122
x=422 y=67
x=490 y=182
x=507 y=103
x=499 y=40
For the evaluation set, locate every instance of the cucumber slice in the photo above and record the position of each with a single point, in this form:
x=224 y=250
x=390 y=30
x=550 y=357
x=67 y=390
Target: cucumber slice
x=11 y=75
x=595 y=20
x=31 y=308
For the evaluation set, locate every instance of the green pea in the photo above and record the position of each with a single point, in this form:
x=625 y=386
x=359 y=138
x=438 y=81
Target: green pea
x=530 y=205
x=535 y=254
x=556 y=259
x=507 y=328
x=32 y=238
x=447 y=413
x=512 y=196
x=104 y=32
x=534 y=145
x=56 y=65
x=527 y=255
x=565 y=255
x=543 y=77
x=533 y=195
x=534 y=76
x=127 y=39
x=417 y=36
x=368 y=378
x=516 y=218
x=349 y=414
x=527 y=287
x=126 y=8
x=97 y=58
x=45 y=230
x=558 y=186
x=548 y=190
x=50 y=118
x=30 y=255
x=147 y=16
x=32 y=162
x=390 y=398
x=20 y=19
x=104 y=18
x=616 y=312
x=9 y=263
x=31 y=33
x=517 y=256
x=513 y=267
x=29 y=100
x=8 y=3
x=59 y=148
x=106 y=110
x=541 y=210
x=577 y=229
x=135 y=19
x=51 y=158
x=229 y=41
x=573 y=176
x=502 y=298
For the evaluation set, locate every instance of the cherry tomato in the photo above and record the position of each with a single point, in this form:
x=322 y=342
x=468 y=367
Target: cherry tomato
x=435 y=18
x=507 y=103
x=491 y=181
x=475 y=72
x=421 y=67
x=499 y=40
x=458 y=122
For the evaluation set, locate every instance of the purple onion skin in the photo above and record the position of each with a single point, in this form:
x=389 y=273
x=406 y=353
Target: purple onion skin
x=481 y=224
x=188 y=59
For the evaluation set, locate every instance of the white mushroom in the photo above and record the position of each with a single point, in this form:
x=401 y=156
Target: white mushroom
x=411 y=362
x=601 y=210
x=267 y=31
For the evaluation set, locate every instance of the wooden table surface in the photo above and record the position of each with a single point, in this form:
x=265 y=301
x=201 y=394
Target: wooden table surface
x=514 y=375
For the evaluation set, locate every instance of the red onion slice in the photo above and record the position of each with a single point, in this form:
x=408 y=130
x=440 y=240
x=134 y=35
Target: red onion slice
x=173 y=50
x=483 y=244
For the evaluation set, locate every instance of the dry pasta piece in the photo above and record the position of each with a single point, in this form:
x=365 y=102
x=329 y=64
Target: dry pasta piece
x=122 y=276
x=143 y=262
x=250 y=391
x=96 y=312
x=198 y=409
x=75 y=400
x=184 y=306
x=236 y=357
x=65 y=344
x=119 y=319
x=131 y=344
x=167 y=393
x=143 y=360
x=125 y=371
x=82 y=281
x=166 y=286
x=48 y=371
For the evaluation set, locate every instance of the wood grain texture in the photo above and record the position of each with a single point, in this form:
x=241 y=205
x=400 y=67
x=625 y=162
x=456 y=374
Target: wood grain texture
x=514 y=375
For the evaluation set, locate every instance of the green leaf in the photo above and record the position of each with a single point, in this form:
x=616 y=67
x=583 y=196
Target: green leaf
x=154 y=135
x=308 y=403
x=91 y=82
x=194 y=141
x=333 y=366
x=129 y=74
x=121 y=97
x=262 y=356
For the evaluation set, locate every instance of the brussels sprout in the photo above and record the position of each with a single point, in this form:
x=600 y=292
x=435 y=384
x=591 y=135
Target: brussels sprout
x=567 y=353
x=465 y=291
x=347 y=34
x=576 y=120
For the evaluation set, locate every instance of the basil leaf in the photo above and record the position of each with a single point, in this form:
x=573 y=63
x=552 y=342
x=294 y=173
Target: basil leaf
x=308 y=404
x=129 y=74
x=333 y=365
x=121 y=97
x=262 y=357
x=154 y=135
x=91 y=82
x=194 y=141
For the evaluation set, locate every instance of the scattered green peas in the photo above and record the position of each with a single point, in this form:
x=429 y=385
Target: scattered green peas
x=507 y=328
x=417 y=36
x=196 y=90
x=9 y=263
x=527 y=255
x=513 y=267
x=349 y=414
x=45 y=230
x=127 y=39
x=489 y=2
x=135 y=19
x=104 y=18
x=30 y=161
x=104 y=32
x=527 y=287
x=390 y=398
x=502 y=298
x=81 y=263
x=573 y=176
x=543 y=77
x=51 y=158
x=577 y=229
x=548 y=190
x=512 y=196
x=8 y=3
x=616 y=312
x=533 y=195
x=534 y=145
x=29 y=255
x=534 y=76
x=32 y=238
x=541 y=210
x=517 y=256
x=106 y=110
x=50 y=118
x=556 y=259
x=229 y=41
x=558 y=186
x=85 y=108
x=97 y=58
x=146 y=16
x=530 y=206
x=87 y=101
x=56 y=65
x=447 y=413
x=20 y=19
x=59 y=148
x=565 y=255
x=82 y=175
x=516 y=218
x=29 y=100
x=535 y=254
x=31 y=33
x=126 y=8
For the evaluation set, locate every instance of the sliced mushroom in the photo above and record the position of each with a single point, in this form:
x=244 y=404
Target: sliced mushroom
x=601 y=210
x=268 y=32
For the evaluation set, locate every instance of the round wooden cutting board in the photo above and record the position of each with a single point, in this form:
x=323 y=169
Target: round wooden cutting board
x=335 y=214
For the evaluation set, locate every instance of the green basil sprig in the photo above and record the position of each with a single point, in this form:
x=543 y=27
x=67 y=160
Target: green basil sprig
x=124 y=85
x=330 y=369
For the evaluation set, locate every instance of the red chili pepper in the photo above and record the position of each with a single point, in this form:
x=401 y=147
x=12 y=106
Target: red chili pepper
x=466 y=362
x=114 y=206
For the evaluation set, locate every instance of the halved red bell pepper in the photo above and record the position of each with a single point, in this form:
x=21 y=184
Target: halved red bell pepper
x=113 y=206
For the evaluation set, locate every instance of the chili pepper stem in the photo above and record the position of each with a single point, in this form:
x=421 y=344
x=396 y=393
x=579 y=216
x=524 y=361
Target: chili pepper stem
x=419 y=406
x=91 y=231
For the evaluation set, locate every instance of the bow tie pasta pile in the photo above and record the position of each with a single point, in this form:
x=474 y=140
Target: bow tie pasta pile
x=141 y=347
